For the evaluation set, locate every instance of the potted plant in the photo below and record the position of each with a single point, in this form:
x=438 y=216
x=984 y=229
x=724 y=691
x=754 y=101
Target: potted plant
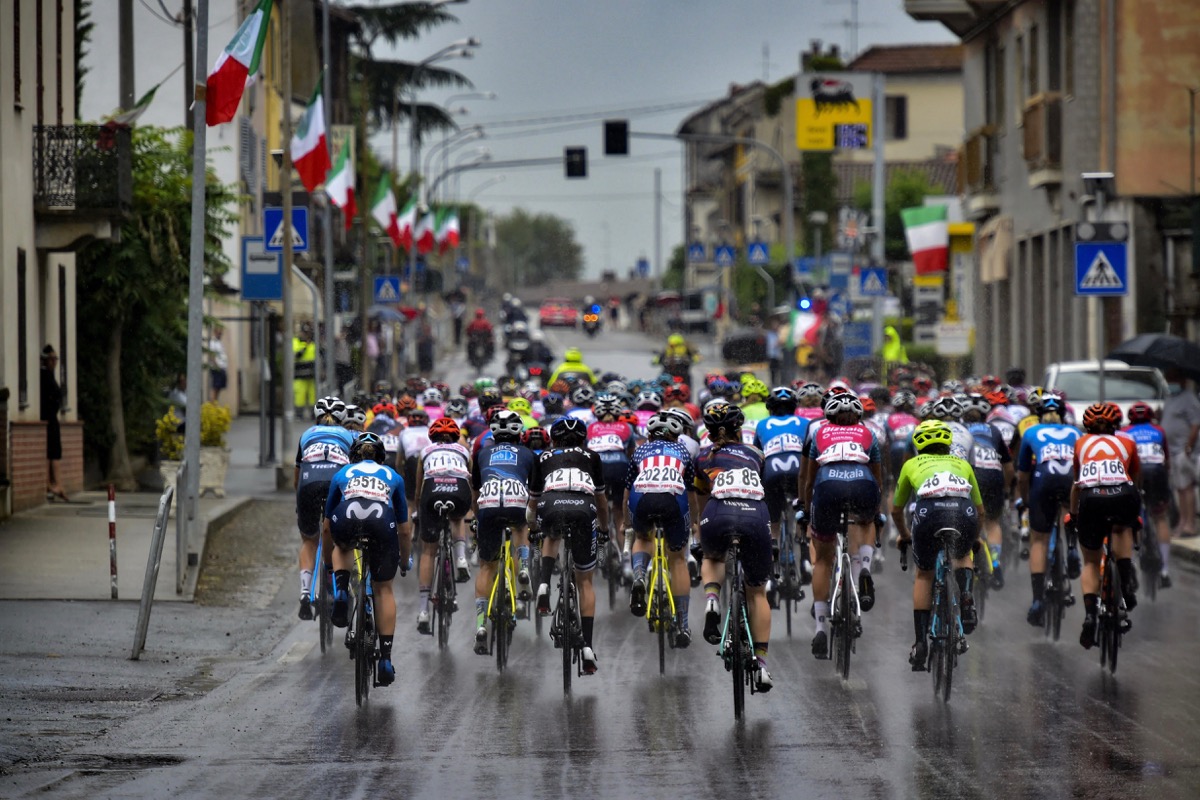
x=170 y=448
x=214 y=454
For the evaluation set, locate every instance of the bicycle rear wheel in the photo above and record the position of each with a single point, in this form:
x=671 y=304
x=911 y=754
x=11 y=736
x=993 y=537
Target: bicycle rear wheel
x=737 y=644
x=789 y=579
x=324 y=608
x=612 y=574
x=845 y=630
x=1110 y=627
x=444 y=599
x=568 y=603
x=535 y=580
x=362 y=661
x=953 y=613
x=661 y=616
x=500 y=620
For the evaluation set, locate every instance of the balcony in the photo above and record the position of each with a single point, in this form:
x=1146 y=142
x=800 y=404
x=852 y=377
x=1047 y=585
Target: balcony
x=957 y=15
x=82 y=182
x=977 y=172
x=1043 y=135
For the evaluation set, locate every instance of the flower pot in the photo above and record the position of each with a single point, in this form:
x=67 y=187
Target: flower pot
x=214 y=463
x=169 y=470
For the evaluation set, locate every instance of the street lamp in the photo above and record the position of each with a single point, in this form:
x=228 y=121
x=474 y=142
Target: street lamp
x=451 y=99
x=448 y=144
x=481 y=155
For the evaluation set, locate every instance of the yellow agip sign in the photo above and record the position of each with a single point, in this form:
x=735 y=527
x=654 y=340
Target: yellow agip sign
x=833 y=111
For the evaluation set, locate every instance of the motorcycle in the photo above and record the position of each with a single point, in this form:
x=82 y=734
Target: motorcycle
x=591 y=323
x=479 y=352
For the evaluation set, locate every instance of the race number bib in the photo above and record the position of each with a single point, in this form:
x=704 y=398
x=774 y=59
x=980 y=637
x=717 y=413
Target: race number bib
x=986 y=458
x=569 y=480
x=843 y=451
x=445 y=464
x=324 y=453
x=367 y=487
x=903 y=433
x=391 y=442
x=738 y=484
x=1056 y=452
x=660 y=475
x=503 y=493
x=1109 y=472
x=1151 y=453
x=606 y=443
x=945 y=484
x=784 y=443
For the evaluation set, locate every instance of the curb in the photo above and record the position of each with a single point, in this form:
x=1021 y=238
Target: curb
x=218 y=518
x=1185 y=553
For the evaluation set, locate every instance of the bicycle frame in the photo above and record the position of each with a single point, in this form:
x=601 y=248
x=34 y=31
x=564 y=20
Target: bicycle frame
x=946 y=635
x=509 y=568
x=659 y=574
x=363 y=627
x=737 y=643
x=443 y=591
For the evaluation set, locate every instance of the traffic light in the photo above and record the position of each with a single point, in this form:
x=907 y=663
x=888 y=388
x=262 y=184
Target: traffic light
x=575 y=162
x=616 y=137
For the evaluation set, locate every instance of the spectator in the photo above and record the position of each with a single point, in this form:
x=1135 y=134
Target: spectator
x=304 y=379
x=343 y=363
x=177 y=395
x=425 y=344
x=1181 y=423
x=218 y=364
x=52 y=400
x=893 y=351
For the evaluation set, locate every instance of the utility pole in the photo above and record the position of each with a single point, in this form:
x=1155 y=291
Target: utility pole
x=125 y=46
x=189 y=74
x=331 y=382
x=658 y=262
x=285 y=187
x=878 y=253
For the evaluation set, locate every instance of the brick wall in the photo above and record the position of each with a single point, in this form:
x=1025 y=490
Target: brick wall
x=71 y=467
x=28 y=465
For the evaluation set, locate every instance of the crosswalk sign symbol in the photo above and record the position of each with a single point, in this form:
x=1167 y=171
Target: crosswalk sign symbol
x=756 y=253
x=872 y=282
x=273 y=227
x=276 y=239
x=387 y=289
x=1101 y=269
x=1101 y=275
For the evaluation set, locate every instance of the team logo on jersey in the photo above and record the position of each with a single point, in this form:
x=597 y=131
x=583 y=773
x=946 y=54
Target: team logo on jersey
x=503 y=455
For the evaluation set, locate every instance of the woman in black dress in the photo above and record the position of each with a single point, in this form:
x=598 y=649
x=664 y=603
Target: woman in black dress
x=52 y=399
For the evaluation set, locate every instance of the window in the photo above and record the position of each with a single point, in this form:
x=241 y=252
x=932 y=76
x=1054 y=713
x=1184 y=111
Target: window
x=16 y=34
x=1001 y=74
x=896 y=118
x=1068 y=56
x=1019 y=94
x=58 y=65
x=1032 y=62
x=1054 y=45
x=22 y=338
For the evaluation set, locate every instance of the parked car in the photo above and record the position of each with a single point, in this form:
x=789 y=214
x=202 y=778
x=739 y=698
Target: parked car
x=558 y=312
x=1123 y=384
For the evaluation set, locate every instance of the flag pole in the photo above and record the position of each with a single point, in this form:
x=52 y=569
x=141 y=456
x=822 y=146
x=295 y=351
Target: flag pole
x=331 y=383
x=285 y=187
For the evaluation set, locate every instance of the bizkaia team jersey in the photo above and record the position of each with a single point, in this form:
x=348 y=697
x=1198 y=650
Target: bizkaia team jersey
x=368 y=482
x=660 y=467
x=781 y=440
x=610 y=440
x=844 y=452
x=900 y=425
x=567 y=469
x=1151 y=443
x=500 y=476
x=1104 y=459
x=730 y=472
x=810 y=412
x=1048 y=444
x=323 y=450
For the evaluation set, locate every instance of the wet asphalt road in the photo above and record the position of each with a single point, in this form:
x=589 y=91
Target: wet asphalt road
x=1029 y=717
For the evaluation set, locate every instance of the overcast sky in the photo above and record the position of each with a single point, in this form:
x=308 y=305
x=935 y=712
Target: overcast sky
x=558 y=58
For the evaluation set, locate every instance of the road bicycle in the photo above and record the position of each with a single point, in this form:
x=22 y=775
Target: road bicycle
x=660 y=602
x=566 y=624
x=502 y=604
x=1149 y=557
x=1057 y=593
x=845 y=611
x=322 y=596
x=737 y=643
x=362 y=634
x=789 y=569
x=1112 y=617
x=610 y=569
x=946 y=638
x=444 y=592
x=982 y=563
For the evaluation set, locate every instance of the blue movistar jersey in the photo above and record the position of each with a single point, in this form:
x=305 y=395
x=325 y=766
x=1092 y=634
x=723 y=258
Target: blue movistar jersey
x=368 y=482
x=782 y=441
x=1047 y=442
x=322 y=451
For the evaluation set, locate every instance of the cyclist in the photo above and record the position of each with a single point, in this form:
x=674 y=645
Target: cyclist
x=1154 y=460
x=947 y=496
x=780 y=437
x=500 y=479
x=661 y=484
x=323 y=450
x=678 y=395
x=1044 y=466
x=949 y=410
x=900 y=425
x=554 y=404
x=614 y=441
x=992 y=462
x=754 y=393
x=649 y=402
x=729 y=478
x=443 y=476
x=456 y=409
x=567 y=489
x=843 y=471
x=367 y=497
x=582 y=398
x=809 y=396
x=524 y=409
x=1105 y=502
x=354 y=419
x=536 y=439
x=573 y=367
x=413 y=441
x=677 y=357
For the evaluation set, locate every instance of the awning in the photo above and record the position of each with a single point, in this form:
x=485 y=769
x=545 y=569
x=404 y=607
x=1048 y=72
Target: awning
x=995 y=247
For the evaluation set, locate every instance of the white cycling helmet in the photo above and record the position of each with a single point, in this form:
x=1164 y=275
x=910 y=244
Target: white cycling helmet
x=354 y=415
x=583 y=395
x=649 y=400
x=664 y=424
x=431 y=397
x=835 y=404
x=329 y=405
x=946 y=408
x=506 y=426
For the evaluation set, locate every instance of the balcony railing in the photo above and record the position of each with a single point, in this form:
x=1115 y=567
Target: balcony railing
x=82 y=170
x=978 y=171
x=1043 y=132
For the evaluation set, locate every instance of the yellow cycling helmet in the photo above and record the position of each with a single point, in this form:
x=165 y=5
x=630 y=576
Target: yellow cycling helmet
x=932 y=431
x=573 y=354
x=675 y=340
x=755 y=386
x=520 y=405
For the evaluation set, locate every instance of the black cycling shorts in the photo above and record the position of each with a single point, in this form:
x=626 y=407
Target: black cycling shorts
x=859 y=498
x=354 y=517
x=1048 y=492
x=934 y=513
x=1156 y=489
x=1102 y=507
x=777 y=488
x=489 y=533
x=671 y=511
x=614 y=473
x=456 y=491
x=574 y=512
x=991 y=489
x=722 y=519
x=310 y=505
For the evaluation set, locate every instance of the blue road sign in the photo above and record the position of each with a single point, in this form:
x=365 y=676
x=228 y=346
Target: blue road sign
x=262 y=272
x=757 y=253
x=840 y=281
x=387 y=289
x=804 y=266
x=697 y=252
x=273 y=229
x=856 y=339
x=725 y=255
x=1101 y=269
x=837 y=304
x=463 y=264
x=872 y=282
x=643 y=267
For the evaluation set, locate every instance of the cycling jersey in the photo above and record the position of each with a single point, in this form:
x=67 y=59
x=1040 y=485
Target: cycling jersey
x=946 y=493
x=612 y=441
x=1000 y=419
x=1106 y=466
x=368 y=498
x=322 y=451
x=989 y=454
x=730 y=472
x=446 y=470
x=960 y=446
x=566 y=482
x=572 y=369
x=1048 y=452
x=1154 y=458
x=569 y=469
x=810 y=413
x=659 y=476
x=583 y=413
x=731 y=475
x=900 y=425
x=643 y=419
x=842 y=455
x=932 y=476
x=500 y=478
x=1104 y=460
x=755 y=412
x=412 y=441
x=435 y=412
x=781 y=440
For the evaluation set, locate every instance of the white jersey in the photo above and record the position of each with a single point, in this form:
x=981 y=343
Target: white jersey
x=963 y=441
x=413 y=441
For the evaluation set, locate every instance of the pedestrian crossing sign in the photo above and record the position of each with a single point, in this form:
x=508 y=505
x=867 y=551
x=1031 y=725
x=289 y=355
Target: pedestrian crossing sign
x=387 y=289
x=1101 y=269
x=872 y=282
x=273 y=228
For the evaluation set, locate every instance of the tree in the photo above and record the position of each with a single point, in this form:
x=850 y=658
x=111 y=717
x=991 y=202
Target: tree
x=906 y=189
x=676 y=269
x=535 y=248
x=133 y=297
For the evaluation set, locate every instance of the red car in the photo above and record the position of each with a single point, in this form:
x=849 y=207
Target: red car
x=558 y=311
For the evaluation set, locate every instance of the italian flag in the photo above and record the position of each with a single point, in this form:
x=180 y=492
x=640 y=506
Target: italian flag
x=310 y=152
x=340 y=185
x=426 y=233
x=407 y=221
x=447 y=230
x=237 y=65
x=130 y=116
x=383 y=208
x=928 y=232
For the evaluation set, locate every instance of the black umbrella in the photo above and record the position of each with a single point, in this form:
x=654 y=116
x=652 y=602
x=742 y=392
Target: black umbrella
x=1160 y=350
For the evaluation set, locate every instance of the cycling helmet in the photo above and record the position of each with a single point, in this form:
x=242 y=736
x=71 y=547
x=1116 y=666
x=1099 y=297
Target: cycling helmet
x=996 y=398
x=781 y=401
x=629 y=418
x=405 y=406
x=330 y=405
x=457 y=407
x=572 y=354
x=835 y=404
x=506 y=426
x=922 y=383
x=509 y=387
x=904 y=401
x=1034 y=399
x=810 y=391
x=581 y=395
x=664 y=425
x=1140 y=412
x=431 y=397
x=925 y=410
x=649 y=401
x=444 y=429
x=754 y=387
x=467 y=390
x=609 y=377
x=483 y=383
x=531 y=390
x=568 y=432
x=561 y=387
x=355 y=417
x=1015 y=376
x=521 y=406
x=553 y=403
x=977 y=403
x=722 y=416
x=617 y=387
x=416 y=384
x=1051 y=402
x=489 y=398
x=607 y=405
x=536 y=439
x=946 y=408
x=932 y=431
x=1100 y=417
x=678 y=392
x=990 y=381
x=867 y=403
x=418 y=417
x=368 y=446
x=685 y=419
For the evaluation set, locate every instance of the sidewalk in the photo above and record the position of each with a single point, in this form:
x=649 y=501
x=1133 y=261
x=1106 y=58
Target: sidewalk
x=1187 y=549
x=60 y=551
